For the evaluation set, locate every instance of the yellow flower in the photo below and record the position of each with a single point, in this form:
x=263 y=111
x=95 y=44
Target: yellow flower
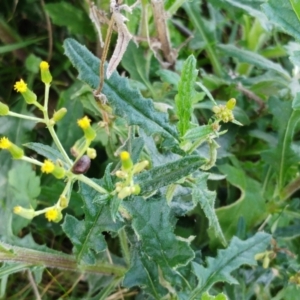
x=20 y=86
x=48 y=166
x=84 y=123
x=126 y=161
x=52 y=214
x=124 y=155
x=44 y=65
x=5 y=143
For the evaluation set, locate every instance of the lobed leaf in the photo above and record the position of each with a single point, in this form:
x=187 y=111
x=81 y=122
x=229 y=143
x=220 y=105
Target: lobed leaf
x=158 y=247
x=281 y=13
x=237 y=254
x=86 y=235
x=183 y=99
x=206 y=200
x=125 y=101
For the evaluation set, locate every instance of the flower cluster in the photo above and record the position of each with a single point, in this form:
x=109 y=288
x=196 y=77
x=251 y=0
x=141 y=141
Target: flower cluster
x=127 y=187
x=224 y=112
x=65 y=169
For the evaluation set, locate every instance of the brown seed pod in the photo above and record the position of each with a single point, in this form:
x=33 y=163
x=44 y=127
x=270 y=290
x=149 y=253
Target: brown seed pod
x=82 y=165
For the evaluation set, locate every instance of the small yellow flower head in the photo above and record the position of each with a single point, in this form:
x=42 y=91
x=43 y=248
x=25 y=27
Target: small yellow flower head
x=45 y=73
x=53 y=214
x=223 y=113
x=29 y=96
x=20 y=86
x=84 y=122
x=24 y=212
x=44 y=66
x=4 y=109
x=126 y=160
x=48 y=166
x=14 y=150
x=5 y=143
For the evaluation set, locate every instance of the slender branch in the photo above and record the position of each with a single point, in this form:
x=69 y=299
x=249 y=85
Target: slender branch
x=34 y=286
x=159 y=15
x=91 y=183
x=13 y=114
x=60 y=261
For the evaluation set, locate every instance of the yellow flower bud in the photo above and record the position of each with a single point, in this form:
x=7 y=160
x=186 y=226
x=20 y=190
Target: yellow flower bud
x=126 y=160
x=45 y=73
x=231 y=103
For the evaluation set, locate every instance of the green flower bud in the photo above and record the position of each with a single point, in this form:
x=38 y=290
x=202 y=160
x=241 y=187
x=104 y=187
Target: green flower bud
x=24 y=212
x=45 y=73
x=4 y=109
x=58 y=115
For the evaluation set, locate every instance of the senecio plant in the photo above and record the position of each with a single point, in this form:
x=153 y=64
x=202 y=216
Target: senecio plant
x=161 y=174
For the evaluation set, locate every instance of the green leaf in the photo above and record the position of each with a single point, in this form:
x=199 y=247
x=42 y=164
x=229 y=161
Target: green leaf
x=45 y=151
x=186 y=90
x=296 y=7
x=206 y=200
x=65 y=14
x=158 y=246
x=126 y=102
x=207 y=296
x=198 y=132
x=134 y=62
x=284 y=154
x=18 y=131
x=281 y=13
x=253 y=59
x=86 y=235
x=168 y=173
x=237 y=254
x=169 y=77
x=250 y=206
x=12 y=47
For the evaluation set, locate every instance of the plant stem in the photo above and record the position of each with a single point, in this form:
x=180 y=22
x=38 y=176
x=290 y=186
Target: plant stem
x=51 y=129
x=61 y=261
x=13 y=114
x=124 y=245
x=91 y=183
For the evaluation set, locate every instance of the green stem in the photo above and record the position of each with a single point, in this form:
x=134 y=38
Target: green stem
x=91 y=183
x=124 y=245
x=13 y=114
x=32 y=160
x=51 y=129
x=61 y=261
